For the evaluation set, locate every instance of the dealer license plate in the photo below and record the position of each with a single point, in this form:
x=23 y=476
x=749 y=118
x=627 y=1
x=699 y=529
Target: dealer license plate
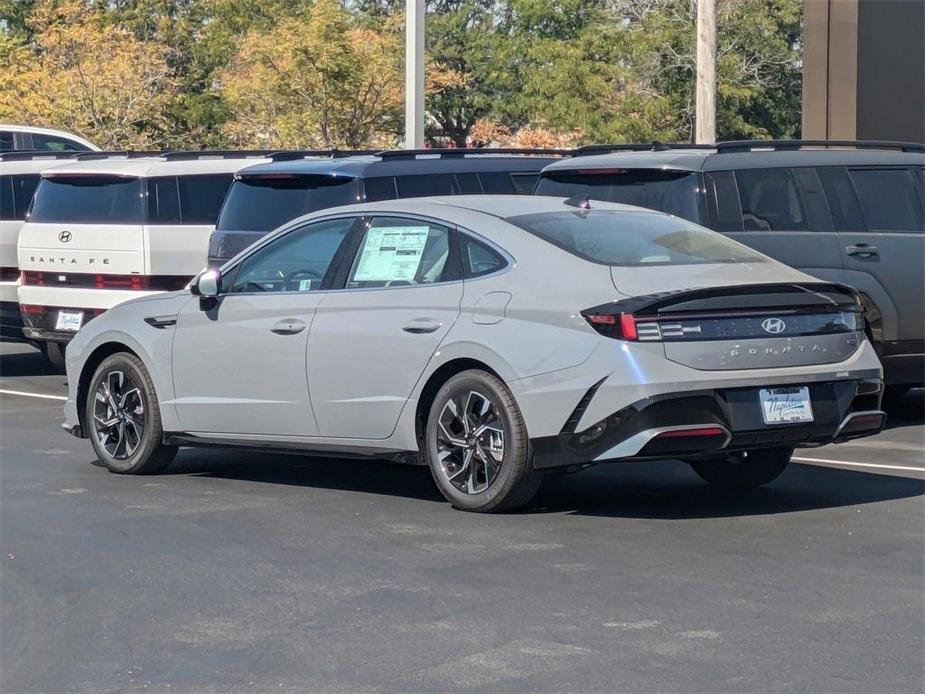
x=786 y=405
x=69 y=320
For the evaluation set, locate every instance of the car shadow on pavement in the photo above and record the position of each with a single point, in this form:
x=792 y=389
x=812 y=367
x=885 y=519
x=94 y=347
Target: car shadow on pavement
x=666 y=490
x=20 y=359
x=906 y=411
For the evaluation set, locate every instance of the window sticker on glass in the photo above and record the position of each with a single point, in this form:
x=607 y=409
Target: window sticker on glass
x=391 y=254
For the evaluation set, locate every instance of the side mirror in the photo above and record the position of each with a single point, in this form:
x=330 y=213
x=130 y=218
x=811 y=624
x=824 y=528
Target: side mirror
x=207 y=283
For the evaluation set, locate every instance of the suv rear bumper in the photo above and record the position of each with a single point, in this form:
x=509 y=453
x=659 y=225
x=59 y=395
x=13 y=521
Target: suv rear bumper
x=39 y=326
x=842 y=410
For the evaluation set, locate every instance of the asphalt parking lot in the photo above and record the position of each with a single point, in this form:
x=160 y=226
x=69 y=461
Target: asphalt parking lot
x=244 y=572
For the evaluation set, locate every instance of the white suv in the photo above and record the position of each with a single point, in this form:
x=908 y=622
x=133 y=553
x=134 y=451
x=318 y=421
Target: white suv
x=107 y=228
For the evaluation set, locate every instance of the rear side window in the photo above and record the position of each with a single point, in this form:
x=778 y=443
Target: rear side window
x=15 y=195
x=843 y=203
x=723 y=201
x=478 y=259
x=524 y=183
x=379 y=188
x=6 y=141
x=88 y=199
x=888 y=199
x=201 y=197
x=163 y=201
x=611 y=237
x=674 y=192
x=419 y=186
x=497 y=183
x=267 y=201
x=770 y=200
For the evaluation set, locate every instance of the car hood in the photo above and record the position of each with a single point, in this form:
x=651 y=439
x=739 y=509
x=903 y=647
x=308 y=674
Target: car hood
x=655 y=279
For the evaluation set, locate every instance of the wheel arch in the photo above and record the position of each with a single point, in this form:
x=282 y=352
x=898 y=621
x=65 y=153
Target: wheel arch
x=89 y=367
x=433 y=384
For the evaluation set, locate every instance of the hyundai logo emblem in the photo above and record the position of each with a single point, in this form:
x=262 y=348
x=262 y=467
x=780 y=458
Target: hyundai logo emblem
x=775 y=326
x=64 y=236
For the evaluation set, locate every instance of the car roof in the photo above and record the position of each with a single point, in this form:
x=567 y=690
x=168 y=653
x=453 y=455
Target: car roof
x=9 y=127
x=146 y=167
x=365 y=166
x=713 y=160
x=501 y=206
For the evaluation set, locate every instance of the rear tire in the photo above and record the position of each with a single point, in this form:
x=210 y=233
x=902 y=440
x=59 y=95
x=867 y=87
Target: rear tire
x=123 y=418
x=54 y=353
x=746 y=470
x=477 y=446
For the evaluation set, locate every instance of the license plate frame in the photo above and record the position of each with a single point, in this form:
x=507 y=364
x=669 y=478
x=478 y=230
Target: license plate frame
x=786 y=405
x=69 y=321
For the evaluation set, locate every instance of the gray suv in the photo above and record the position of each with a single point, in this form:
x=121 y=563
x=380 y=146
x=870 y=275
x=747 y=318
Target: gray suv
x=847 y=212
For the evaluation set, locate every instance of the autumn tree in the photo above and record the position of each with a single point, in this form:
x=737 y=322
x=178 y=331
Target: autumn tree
x=86 y=75
x=318 y=79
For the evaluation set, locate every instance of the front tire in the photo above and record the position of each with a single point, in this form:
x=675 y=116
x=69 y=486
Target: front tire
x=477 y=446
x=745 y=470
x=123 y=418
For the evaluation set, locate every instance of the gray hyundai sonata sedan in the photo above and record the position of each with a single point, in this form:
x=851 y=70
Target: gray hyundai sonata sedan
x=493 y=339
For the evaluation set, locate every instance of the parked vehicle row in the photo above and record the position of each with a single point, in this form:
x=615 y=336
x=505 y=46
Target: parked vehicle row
x=14 y=138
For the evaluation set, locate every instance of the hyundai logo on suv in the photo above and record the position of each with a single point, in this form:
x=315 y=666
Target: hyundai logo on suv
x=64 y=236
x=775 y=326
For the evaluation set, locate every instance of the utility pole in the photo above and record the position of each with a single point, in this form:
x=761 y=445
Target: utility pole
x=414 y=74
x=705 y=117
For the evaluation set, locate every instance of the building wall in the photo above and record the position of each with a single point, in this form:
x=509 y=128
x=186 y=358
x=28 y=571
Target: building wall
x=864 y=69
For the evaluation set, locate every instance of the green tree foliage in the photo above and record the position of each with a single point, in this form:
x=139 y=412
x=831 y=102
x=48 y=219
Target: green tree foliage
x=551 y=71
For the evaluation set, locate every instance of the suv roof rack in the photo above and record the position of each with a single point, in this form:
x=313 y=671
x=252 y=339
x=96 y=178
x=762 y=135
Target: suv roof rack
x=181 y=155
x=293 y=154
x=655 y=146
x=28 y=155
x=791 y=145
x=89 y=156
x=451 y=152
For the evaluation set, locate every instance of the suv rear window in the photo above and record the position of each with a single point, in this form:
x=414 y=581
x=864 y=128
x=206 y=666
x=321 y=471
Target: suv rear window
x=88 y=199
x=674 y=192
x=15 y=195
x=264 y=202
x=612 y=237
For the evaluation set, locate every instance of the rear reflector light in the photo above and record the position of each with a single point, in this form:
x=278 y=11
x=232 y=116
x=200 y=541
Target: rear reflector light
x=686 y=441
x=681 y=433
x=861 y=424
x=31 y=310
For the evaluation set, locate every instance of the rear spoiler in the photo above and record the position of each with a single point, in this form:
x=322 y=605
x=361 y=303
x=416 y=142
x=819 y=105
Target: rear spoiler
x=795 y=297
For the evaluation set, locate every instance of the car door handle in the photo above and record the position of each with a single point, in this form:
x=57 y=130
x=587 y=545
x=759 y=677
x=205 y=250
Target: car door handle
x=288 y=326
x=862 y=250
x=421 y=326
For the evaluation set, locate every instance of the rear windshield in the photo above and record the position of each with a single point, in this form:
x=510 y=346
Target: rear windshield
x=15 y=196
x=612 y=237
x=674 y=192
x=90 y=199
x=262 y=203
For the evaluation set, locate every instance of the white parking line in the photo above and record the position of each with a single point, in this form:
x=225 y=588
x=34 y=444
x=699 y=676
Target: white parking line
x=845 y=462
x=33 y=395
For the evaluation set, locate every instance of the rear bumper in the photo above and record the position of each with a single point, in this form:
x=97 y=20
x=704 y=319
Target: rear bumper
x=842 y=410
x=39 y=326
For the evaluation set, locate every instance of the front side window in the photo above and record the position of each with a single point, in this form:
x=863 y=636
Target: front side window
x=671 y=191
x=88 y=200
x=612 y=237
x=770 y=200
x=50 y=143
x=397 y=252
x=888 y=199
x=265 y=202
x=295 y=262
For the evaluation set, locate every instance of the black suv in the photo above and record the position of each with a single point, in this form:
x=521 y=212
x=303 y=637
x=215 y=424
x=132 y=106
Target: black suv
x=265 y=196
x=847 y=212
